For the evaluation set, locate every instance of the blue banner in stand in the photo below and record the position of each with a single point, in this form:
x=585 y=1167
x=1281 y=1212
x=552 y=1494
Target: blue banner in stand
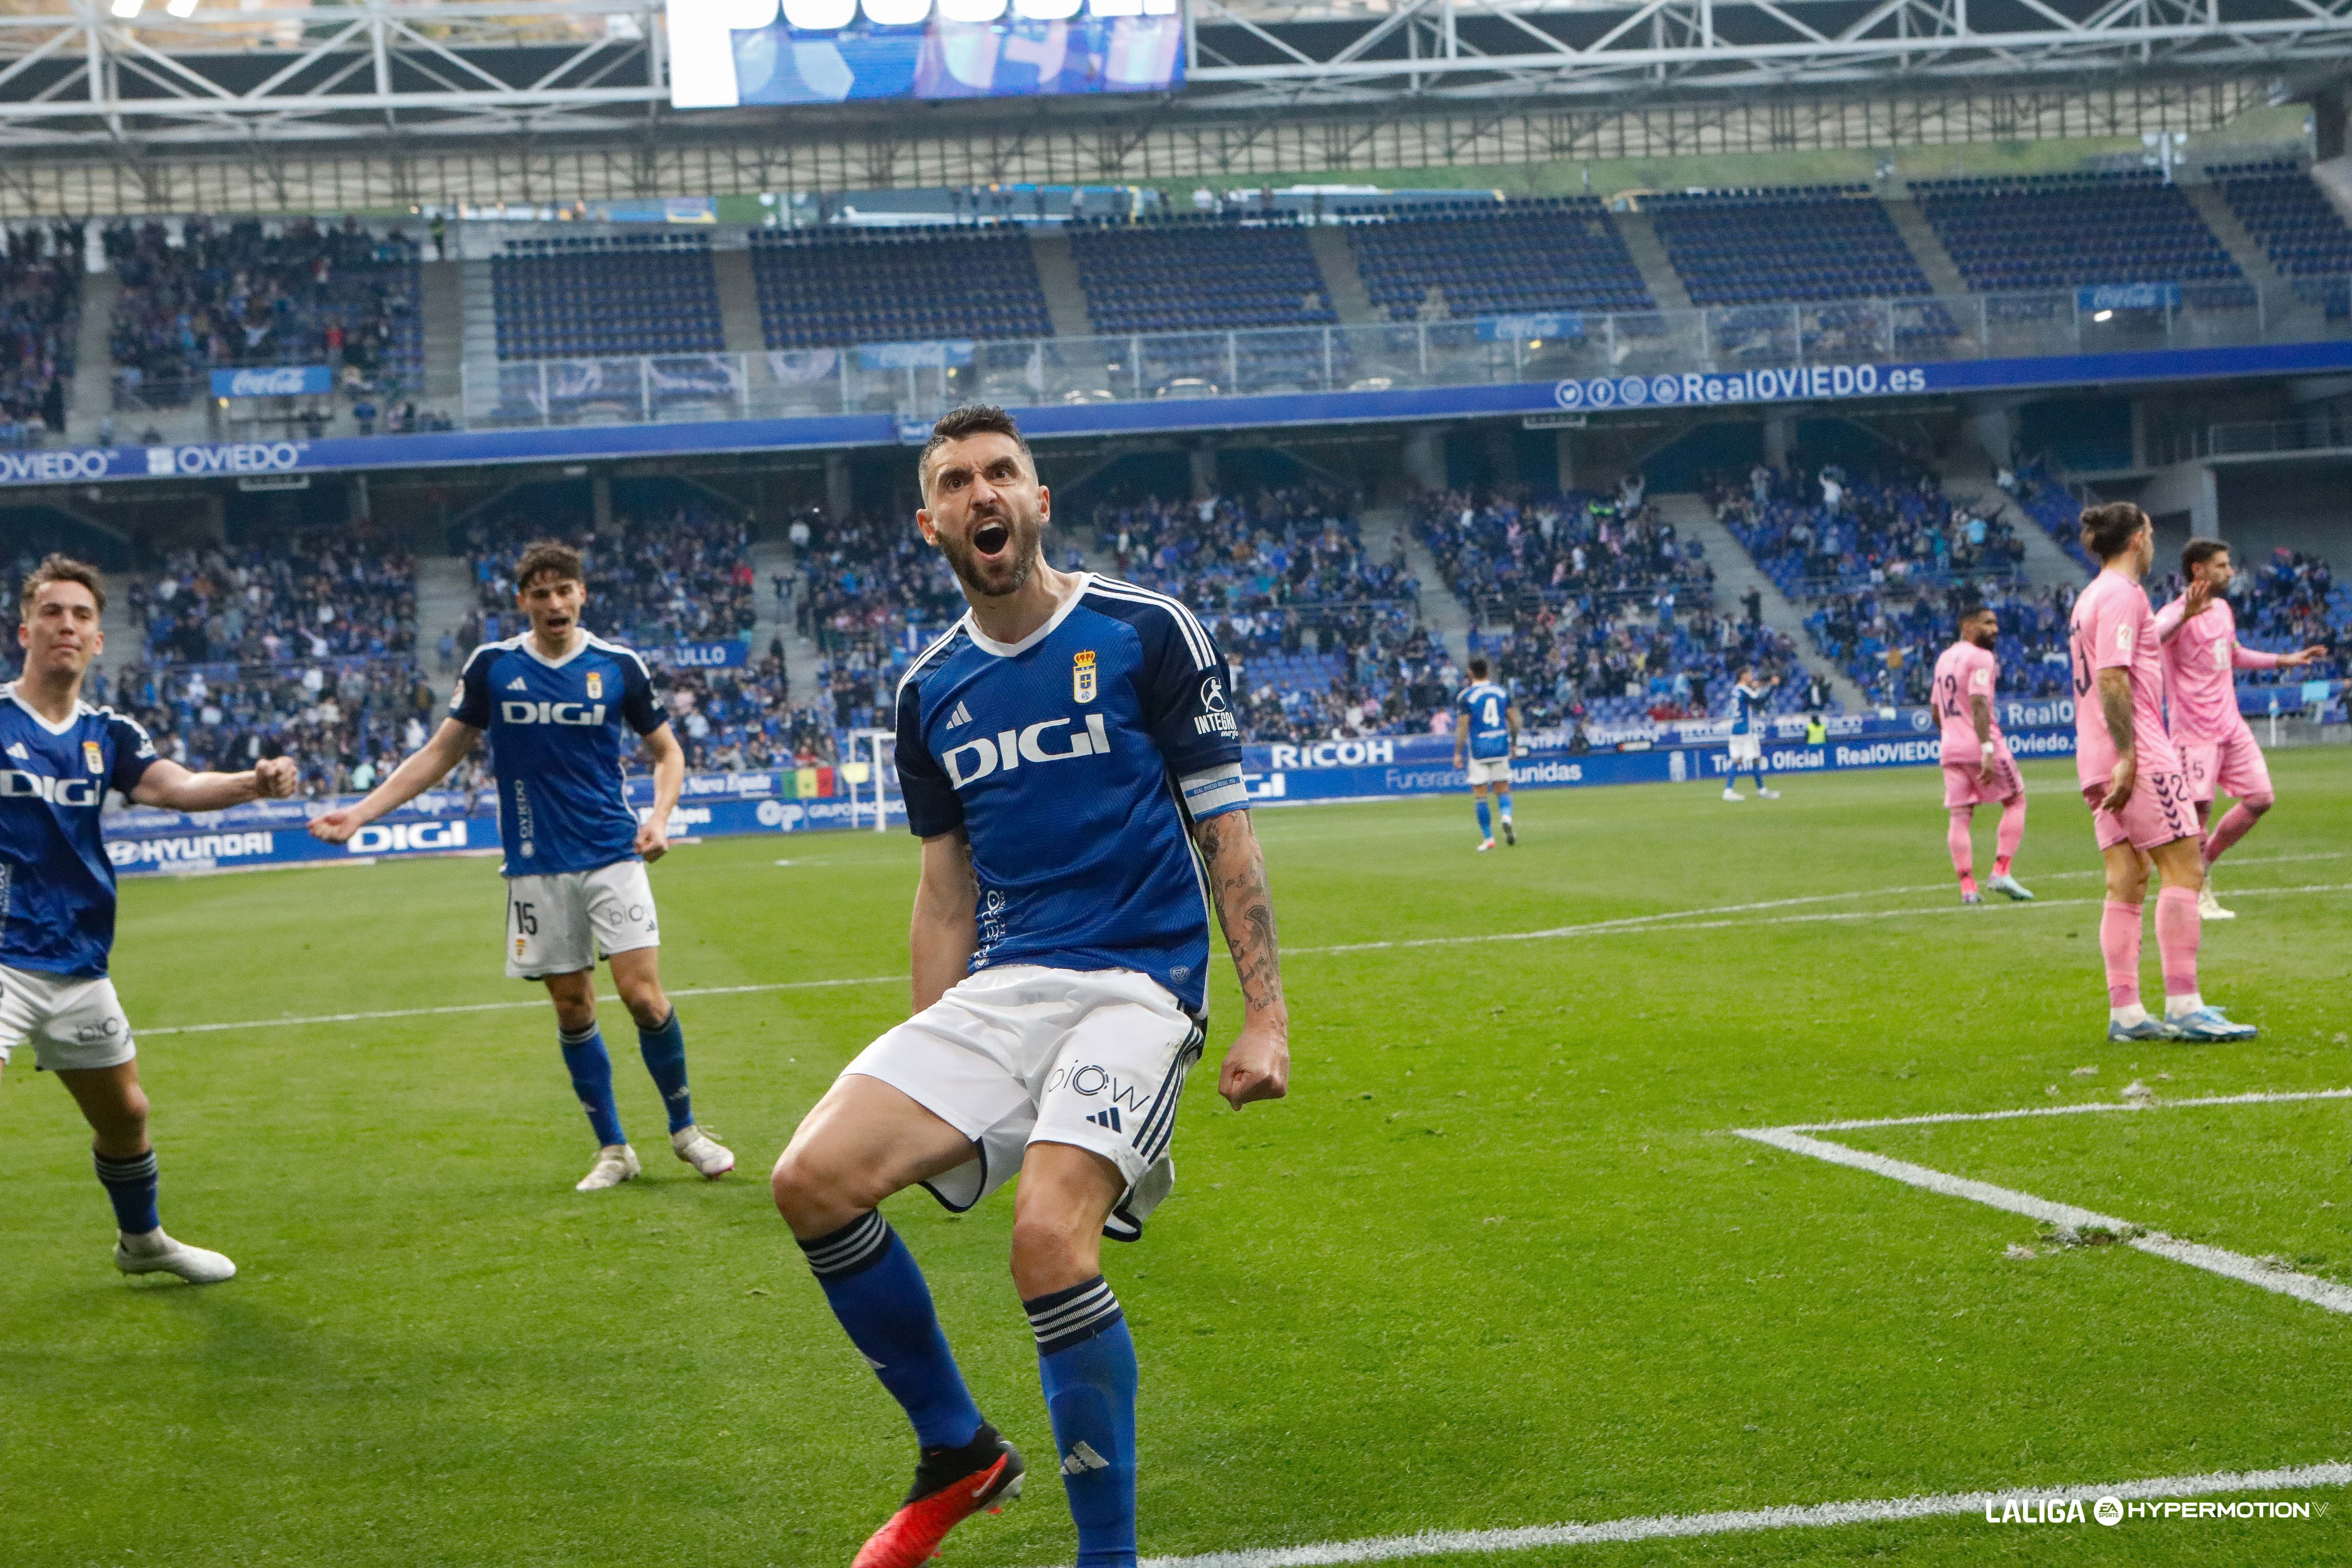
x=1555 y=326
x=2129 y=297
x=701 y=654
x=275 y=381
x=952 y=353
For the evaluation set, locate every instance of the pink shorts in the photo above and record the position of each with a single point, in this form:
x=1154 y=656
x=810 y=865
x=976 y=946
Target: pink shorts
x=2158 y=812
x=1963 y=785
x=2233 y=767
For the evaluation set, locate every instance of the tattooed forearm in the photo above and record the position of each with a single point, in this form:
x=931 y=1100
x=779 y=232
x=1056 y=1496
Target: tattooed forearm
x=1244 y=908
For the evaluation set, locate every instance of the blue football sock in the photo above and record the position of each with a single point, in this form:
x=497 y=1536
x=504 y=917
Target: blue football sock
x=665 y=1053
x=1507 y=809
x=592 y=1081
x=1086 y=1360
x=871 y=1282
x=1486 y=824
x=129 y=1184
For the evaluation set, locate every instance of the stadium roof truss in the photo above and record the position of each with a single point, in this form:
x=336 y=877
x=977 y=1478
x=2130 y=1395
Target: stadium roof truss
x=77 y=77
x=1571 y=48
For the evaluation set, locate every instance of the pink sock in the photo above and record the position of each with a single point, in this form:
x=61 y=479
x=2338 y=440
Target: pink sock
x=2013 y=833
x=1963 y=852
x=2119 y=945
x=2232 y=827
x=2178 y=928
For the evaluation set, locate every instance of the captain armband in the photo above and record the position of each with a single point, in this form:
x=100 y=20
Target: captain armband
x=1213 y=789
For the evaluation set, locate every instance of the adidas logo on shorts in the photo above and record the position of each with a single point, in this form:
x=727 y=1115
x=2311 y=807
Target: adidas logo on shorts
x=1107 y=1117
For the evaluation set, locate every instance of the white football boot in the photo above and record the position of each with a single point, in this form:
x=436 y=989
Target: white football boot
x=1732 y=795
x=616 y=1164
x=155 y=1253
x=1763 y=794
x=2209 y=908
x=697 y=1148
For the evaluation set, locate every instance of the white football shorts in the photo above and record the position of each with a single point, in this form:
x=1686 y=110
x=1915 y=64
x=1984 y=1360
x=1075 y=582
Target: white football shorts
x=1747 y=748
x=564 y=922
x=73 y=1020
x=1491 y=771
x=1025 y=1054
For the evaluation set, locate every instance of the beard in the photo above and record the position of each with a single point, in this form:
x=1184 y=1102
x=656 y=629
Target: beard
x=1006 y=570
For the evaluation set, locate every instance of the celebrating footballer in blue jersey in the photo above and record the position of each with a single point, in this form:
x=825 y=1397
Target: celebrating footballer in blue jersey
x=1486 y=727
x=56 y=888
x=1063 y=752
x=1749 y=722
x=554 y=702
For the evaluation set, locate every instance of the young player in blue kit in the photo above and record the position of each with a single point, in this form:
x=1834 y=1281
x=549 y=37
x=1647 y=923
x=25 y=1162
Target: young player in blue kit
x=1063 y=752
x=554 y=702
x=58 y=758
x=1486 y=726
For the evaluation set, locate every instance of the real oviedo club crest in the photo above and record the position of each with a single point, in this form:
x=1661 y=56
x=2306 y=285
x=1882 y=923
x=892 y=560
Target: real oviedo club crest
x=596 y=683
x=93 y=757
x=1082 y=676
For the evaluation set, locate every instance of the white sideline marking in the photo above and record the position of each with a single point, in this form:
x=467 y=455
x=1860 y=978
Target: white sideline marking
x=1638 y=925
x=2275 y=1097
x=1629 y=925
x=2213 y=1259
x=502 y=1006
x=1681 y=1526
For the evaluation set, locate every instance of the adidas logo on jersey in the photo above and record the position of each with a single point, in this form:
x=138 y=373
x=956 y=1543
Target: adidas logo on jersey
x=1082 y=1459
x=517 y=684
x=17 y=749
x=962 y=715
x=1107 y=1117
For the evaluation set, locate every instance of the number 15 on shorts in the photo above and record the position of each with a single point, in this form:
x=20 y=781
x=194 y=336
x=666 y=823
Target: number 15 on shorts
x=526 y=924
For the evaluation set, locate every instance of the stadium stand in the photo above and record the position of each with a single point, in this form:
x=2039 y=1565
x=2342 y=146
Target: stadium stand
x=1887 y=640
x=238 y=294
x=347 y=721
x=314 y=595
x=675 y=570
x=2020 y=233
x=1612 y=618
x=585 y=297
x=1801 y=242
x=1188 y=275
x=40 y=313
x=826 y=289
x=1552 y=253
x=2285 y=209
x=2045 y=499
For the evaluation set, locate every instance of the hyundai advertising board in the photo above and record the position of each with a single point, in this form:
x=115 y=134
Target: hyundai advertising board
x=724 y=53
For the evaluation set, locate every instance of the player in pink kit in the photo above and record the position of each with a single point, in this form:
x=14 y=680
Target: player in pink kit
x=2201 y=655
x=2138 y=793
x=1978 y=766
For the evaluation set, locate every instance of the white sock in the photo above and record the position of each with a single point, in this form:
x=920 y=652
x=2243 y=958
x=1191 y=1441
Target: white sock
x=2181 y=1006
x=2127 y=1016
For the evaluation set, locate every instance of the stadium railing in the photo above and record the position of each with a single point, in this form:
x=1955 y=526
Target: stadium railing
x=2324 y=430
x=910 y=378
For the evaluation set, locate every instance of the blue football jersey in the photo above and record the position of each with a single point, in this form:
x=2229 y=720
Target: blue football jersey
x=1076 y=761
x=555 y=745
x=1486 y=710
x=56 y=881
x=1748 y=714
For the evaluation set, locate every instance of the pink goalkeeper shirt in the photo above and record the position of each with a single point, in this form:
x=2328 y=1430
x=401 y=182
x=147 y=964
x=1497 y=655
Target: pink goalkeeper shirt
x=2115 y=629
x=1963 y=671
x=2200 y=666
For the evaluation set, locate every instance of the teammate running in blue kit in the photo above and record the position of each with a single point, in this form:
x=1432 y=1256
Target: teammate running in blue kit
x=554 y=702
x=58 y=758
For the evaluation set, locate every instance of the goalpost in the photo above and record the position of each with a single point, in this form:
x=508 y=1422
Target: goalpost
x=875 y=769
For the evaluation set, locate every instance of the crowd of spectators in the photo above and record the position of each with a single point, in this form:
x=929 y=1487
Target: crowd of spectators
x=1887 y=640
x=1506 y=551
x=672 y=573
x=40 y=316
x=346 y=722
x=236 y=293
x=1251 y=551
x=313 y=594
x=1828 y=531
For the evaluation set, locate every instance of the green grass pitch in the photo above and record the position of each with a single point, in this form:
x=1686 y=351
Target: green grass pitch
x=1496 y=1261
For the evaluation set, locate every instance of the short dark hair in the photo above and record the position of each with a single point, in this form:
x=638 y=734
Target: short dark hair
x=57 y=568
x=1477 y=666
x=2197 y=551
x=1971 y=608
x=550 y=557
x=971 y=419
x=2107 y=528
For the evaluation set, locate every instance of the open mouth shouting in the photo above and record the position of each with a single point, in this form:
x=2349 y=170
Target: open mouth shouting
x=992 y=540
